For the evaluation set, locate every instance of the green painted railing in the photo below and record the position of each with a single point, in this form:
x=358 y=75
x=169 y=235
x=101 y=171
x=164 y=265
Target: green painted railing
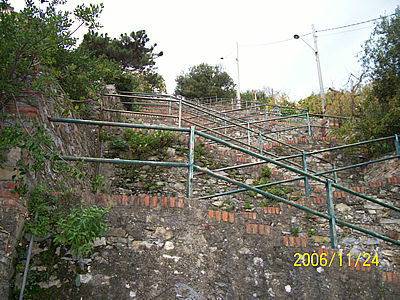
x=191 y=167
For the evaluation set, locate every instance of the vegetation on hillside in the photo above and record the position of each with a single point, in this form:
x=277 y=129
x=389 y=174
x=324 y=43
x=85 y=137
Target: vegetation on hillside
x=38 y=52
x=204 y=81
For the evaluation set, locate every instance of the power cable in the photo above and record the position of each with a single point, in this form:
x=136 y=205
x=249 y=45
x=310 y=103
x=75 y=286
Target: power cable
x=322 y=30
x=354 y=24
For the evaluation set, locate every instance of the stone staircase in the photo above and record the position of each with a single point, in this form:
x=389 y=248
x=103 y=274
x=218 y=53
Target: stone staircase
x=164 y=246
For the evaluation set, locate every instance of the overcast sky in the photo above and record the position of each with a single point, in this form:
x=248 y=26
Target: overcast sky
x=192 y=32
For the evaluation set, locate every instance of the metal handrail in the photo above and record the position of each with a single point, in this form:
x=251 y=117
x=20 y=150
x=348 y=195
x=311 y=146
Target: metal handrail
x=191 y=166
x=213 y=114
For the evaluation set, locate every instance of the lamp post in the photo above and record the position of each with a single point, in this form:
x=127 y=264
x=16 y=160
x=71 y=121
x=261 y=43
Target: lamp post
x=238 y=76
x=315 y=50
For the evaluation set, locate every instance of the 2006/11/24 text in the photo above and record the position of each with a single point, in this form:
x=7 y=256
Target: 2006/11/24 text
x=315 y=259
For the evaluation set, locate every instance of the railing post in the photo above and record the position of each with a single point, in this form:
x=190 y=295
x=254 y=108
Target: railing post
x=191 y=162
x=331 y=212
x=397 y=144
x=248 y=133
x=306 y=187
x=180 y=114
x=265 y=112
x=334 y=173
x=260 y=140
x=170 y=106
x=308 y=124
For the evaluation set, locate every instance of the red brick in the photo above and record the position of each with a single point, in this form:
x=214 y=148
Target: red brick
x=269 y=209
x=319 y=251
x=164 y=202
x=253 y=216
x=218 y=215
x=297 y=242
x=245 y=215
x=395 y=277
x=384 y=276
x=11 y=185
x=124 y=200
x=231 y=217
x=154 y=201
x=285 y=241
x=255 y=228
x=267 y=229
x=138 y=201
x=180 y=202
x=277 y=210
x=147 y=201
x=248 y=228
x=389 y=276
x=260 y=229
x=303 y=242
x=172 y=202
x=291 y=241
x=225 y=216
x=5 y=193
x=210 y=213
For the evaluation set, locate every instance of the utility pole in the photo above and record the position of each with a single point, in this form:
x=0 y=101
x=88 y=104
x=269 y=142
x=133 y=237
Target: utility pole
x=321 y=85
x=238 y=77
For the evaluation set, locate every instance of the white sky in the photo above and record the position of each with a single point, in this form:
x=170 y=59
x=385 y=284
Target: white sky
x=192 y=32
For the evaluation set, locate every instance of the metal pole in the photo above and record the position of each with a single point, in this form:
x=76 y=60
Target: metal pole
x=306 y=187
x=308 y=125
x=28 y=258
x=334 y=173
x=238 y=77
x=170 y=107
x=191 y=163
x=265 y=111
x=397 y=144
x=180 y=114
x=331 y=212
x=260 y=139
x=248 y=133
x=321 y=85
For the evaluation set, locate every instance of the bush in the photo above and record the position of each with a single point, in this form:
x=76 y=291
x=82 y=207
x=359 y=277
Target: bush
x=79 y=228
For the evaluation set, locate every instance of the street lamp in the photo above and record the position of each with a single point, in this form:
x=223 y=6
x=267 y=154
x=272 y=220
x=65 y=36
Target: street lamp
x=238 y=76
x=315 y=49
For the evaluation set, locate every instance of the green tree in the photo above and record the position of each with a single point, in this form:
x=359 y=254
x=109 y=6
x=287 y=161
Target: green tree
x=261 y=95
x=131 y=52
x=381 y=63
x=31 y=40
x=204 y=81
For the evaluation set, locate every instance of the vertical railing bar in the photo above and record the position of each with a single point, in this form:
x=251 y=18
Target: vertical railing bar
x=334 y=173
x=306 y=186
x=260 y=140
x=308 y=124
x=248 y=133
x=191 y=163
x=397 y=144
x=180 y=114
x=331 y=212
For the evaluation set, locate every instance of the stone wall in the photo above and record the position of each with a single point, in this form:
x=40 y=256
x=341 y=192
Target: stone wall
x=69 y=139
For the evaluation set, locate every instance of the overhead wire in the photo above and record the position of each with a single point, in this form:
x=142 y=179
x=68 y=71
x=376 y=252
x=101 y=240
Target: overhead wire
x=322 y=30
x=354 y=24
